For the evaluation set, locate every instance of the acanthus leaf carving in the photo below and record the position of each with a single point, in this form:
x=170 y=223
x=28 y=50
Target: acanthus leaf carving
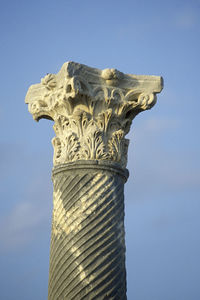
x=92 y=110
x=94 y=146
x=118 y=147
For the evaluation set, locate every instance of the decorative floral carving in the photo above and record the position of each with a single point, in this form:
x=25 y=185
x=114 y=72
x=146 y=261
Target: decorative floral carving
x=115 y=145
x=118 y=147
x=93 y=146
x=92 y=110
x=49 y=81
x=71 y=147
x=57 y=149
x=146 y=100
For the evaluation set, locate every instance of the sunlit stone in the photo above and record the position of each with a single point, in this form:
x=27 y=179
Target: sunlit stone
x=92 y=112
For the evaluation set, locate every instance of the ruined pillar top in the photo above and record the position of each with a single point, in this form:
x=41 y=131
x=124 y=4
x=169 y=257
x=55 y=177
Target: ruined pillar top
x=92 y=110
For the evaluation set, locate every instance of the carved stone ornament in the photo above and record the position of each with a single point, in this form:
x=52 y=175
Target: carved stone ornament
x=92 y=110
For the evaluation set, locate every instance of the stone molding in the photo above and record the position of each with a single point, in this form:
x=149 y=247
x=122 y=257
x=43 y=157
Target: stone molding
x=92 y=166
x=92 y=110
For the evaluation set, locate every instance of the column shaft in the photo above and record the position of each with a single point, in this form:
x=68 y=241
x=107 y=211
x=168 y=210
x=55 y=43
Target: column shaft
x=92 y=111
x=87 y=256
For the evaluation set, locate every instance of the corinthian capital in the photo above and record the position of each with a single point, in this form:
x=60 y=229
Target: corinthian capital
x=92 y=110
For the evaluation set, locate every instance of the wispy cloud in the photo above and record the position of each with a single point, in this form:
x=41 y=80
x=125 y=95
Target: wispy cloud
x=16 y=228
x=19 y=228
x=157 y=162
x=186 y=18
x=159 y=124
x=24 y=222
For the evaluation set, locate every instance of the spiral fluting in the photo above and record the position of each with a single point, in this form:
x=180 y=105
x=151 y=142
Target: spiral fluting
x=87 y=256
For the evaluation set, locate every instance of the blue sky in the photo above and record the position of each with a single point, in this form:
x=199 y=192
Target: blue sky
x=162 y=193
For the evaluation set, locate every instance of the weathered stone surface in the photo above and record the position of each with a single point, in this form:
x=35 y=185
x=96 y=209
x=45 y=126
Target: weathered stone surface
x=87 y=259
x=92 y=112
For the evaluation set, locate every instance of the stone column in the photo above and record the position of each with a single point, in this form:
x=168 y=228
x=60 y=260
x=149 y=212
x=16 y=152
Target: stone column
x=92 y=112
